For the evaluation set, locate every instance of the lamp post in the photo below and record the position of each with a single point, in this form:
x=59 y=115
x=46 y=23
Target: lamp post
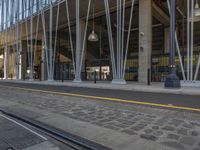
x=172 y=81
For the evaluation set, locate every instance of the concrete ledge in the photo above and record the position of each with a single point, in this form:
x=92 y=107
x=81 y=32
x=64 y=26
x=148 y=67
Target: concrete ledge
x=118 y=81
x=190 y=84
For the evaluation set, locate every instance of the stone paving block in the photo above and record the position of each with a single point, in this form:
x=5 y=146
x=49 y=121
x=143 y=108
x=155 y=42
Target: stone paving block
x=137 y=128
x=188 y=141
x=187 y=125
x=182 y=131
x=148 y=131
x=195 y=123
x=130 y=132
x=155 y=127
x=148 y=137
x=122 y=125
x=194 y=133
x=173 y=136
x=160 y=123
x=158 y=133
x=168 y=128
x=105 y=120
x=176 y=122
x=175 y=145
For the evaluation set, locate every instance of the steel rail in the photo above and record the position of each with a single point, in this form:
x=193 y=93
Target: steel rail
x=73 y=141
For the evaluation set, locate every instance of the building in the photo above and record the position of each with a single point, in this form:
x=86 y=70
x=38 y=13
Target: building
x=116 y=40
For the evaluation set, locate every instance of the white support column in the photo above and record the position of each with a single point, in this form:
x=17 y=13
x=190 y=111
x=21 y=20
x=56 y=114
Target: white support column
x=49 y=42
x=145 y=39
x=6 y=62
x=119 y=78
x=70 y=35
x=30 y=53
x=81 y=33
x=50 y=48
x=82 y=27
x=17 y=53
x=6 y=51
x=119 y=52
x=21 y=60
x=78 y=43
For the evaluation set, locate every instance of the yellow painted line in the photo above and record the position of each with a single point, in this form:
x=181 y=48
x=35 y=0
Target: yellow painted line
x=106 y=99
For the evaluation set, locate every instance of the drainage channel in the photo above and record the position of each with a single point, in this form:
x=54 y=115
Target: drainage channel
x=73 y=141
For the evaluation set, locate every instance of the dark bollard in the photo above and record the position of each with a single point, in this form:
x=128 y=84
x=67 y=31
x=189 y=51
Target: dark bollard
x=62 y=76
x=11 y=76
x=24 y=76
x=149 y=76
x=95 y=79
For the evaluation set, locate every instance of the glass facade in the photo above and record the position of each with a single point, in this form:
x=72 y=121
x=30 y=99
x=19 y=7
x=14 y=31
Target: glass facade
x=13 y=11
x=49 y=44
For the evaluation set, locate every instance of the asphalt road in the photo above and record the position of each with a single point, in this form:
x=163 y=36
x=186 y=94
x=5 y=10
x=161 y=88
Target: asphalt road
x=158 y=98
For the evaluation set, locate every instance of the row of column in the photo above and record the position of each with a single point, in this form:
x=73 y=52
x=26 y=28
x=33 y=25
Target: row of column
x=145 y=43
x=145 y=46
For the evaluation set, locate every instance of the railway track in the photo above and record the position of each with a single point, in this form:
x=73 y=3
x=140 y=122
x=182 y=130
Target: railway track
x=73 y=141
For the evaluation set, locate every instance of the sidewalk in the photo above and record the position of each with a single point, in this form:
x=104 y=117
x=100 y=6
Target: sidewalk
x=130 y=86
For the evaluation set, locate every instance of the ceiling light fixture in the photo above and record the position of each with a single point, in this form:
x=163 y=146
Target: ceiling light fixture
x=197 y=9
x=93 y=37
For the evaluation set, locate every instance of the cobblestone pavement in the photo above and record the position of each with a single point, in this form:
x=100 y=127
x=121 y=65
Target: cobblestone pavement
x=174 y=132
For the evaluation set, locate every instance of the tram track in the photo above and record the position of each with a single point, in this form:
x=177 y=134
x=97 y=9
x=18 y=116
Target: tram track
x=73 y=141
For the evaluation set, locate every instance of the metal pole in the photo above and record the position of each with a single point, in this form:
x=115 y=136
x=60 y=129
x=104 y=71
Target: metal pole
x=172 y=35
x=192 y=40
x=172 y=80
x=188 y=40
x=95 y=77
x=178 y=47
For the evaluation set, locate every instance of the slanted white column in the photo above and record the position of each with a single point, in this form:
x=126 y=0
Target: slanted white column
x=82 y=27
x=78 y=44
x=22 y=65
x=6 y=62
x=80 y=40
x=145 y=39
